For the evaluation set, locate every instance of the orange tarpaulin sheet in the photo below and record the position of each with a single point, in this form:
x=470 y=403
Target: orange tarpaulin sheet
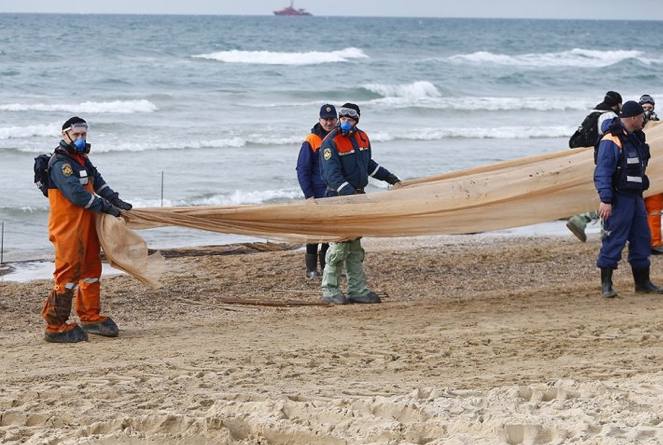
x=513 y=193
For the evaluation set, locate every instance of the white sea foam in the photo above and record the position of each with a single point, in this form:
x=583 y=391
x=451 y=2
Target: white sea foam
x=414 y=90
x=435 y=134
x=284 y=58
x=412 y=134
x=471 y=103
x=576 y=57
x=49 y=130
x=116 y=106
x=238 y=197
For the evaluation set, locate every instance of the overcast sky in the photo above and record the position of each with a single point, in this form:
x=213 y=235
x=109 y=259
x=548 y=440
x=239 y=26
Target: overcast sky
x=581 y=9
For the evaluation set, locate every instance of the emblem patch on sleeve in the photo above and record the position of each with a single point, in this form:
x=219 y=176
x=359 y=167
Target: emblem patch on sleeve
x=327 y=154
x=67 y=170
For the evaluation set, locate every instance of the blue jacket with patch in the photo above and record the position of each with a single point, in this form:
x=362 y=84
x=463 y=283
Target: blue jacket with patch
x=621 y=163
x=68 y=174
x=347 y=163
x=308 y=164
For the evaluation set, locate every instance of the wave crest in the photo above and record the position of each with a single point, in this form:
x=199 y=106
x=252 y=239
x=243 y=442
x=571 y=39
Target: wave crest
x=116 y=106
x=576 y=57
x=238 y=197
x=515 y=132
x=30 y=131
x=414 y=90
x=284 y=58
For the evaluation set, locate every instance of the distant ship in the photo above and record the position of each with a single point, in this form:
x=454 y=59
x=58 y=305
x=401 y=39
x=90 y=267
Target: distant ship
x=291 y=10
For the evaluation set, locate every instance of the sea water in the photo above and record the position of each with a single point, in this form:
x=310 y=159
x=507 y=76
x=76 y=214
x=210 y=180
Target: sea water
x=220 y=104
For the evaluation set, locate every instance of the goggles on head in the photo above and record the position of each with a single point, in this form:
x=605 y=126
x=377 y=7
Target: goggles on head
x=348 y=112
x=80 y=127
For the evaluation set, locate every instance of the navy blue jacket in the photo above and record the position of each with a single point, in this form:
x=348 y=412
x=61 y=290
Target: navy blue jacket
x=621 y=163
x=69 y=175
x=308 y=164
x=347 y=163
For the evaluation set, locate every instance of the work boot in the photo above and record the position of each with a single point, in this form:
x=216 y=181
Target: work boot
x=642 y=283
x=576 y=224
x=311 y=264
x=606 y=283
x=334 y=299
x=74 y=335
x=657 y=250
x=105 y=328
x=369 y=298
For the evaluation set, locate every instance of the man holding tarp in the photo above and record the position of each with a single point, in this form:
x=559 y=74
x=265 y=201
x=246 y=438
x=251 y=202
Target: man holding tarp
x=620 y=180
x=76 y=191
x=346 y=165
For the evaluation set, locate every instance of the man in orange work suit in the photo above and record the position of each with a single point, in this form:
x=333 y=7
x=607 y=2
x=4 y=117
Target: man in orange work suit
x=76 y=191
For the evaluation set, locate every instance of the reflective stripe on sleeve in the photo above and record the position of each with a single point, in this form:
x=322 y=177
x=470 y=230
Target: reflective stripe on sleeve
x=102 y=187
x=377 y=167
x=634 y=179
x=342 y=185
x=87 y=206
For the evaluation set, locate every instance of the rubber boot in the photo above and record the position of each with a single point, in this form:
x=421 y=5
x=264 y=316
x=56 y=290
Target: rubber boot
x=576 y=224
x=56 y=310
x=105 y=328
x=311 y=264
x=606 y=283
x=369 y=298
x=642 y=282
x=73 y=335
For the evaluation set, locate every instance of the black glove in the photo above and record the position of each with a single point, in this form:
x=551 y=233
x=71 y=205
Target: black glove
x=107 y=207
x=117 y=202
x=392 y=179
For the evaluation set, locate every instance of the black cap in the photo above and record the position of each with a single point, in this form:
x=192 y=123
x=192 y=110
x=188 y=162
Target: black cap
x=352 y=107
x=327 y=111
x=630 y=109
x=646 y=99
x=73 y=121
x=612 y=98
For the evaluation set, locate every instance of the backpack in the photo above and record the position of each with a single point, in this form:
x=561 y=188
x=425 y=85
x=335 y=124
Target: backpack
x=41 y=169
x=588 y=132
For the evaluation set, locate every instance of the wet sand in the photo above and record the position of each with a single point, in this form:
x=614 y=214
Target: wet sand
x=478 y=341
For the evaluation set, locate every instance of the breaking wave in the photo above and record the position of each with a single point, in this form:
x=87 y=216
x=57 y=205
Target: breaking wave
x=284 y=58
x=414 y=90
x=47 y=130
x=471 y=103
x=577 y=57
x=434 y=134
x=238 y=197
x=116 y=106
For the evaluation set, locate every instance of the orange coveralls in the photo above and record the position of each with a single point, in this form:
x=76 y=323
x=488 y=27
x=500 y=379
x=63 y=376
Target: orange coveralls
x=72 y=231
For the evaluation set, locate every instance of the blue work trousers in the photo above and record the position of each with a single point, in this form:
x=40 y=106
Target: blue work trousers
x=628 y=222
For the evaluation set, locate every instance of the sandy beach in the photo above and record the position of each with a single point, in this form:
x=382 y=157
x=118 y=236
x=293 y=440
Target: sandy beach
x=478 y=341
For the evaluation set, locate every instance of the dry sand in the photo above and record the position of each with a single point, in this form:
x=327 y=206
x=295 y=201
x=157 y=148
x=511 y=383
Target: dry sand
x=478 y=341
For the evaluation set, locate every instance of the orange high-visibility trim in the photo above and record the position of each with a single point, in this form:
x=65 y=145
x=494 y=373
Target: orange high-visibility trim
x=654 y=205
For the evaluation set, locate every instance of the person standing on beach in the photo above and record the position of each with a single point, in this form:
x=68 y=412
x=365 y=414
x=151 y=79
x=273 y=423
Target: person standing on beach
x=310 y=179
x=620 y=180
x=654 y=203
x=347 y=163
x=76 y=192
x=588 y=135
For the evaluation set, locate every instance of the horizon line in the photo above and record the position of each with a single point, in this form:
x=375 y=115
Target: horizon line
x=194 y=14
